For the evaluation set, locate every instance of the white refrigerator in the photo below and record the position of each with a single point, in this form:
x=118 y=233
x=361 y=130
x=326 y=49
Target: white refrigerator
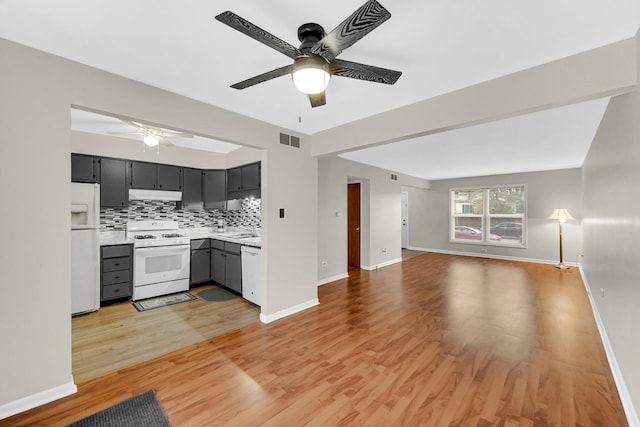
x=85 y=248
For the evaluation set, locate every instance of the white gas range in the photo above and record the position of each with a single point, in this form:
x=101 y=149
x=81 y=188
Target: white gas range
x=160 y=258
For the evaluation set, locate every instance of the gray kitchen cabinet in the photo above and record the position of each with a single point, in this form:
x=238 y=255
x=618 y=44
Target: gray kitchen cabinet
x=233 y=272
x=234 y=179
x=116 y=272
x=84 y=168
x=153 y=176
x=113 y=183
x=200 y=261
x=218 y=266
x=143 y=175
x=226 y=264
x=214 y=189
x=169 y=178
x=192 y=187
x=243 y=181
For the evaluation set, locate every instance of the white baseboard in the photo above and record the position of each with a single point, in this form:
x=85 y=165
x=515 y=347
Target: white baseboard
x=492 y=256
x=38 y=399
x=288 y=311
x=625 y=397
x=332 y=279
x=384 y=264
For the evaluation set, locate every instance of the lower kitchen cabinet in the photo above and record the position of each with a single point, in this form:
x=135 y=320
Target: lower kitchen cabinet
x=226 y=264
x=200 y=261
x=116 y=272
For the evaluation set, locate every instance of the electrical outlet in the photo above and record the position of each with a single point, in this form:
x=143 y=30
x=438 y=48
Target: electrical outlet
x=602 y=292
x=323 y=263
x=484 y=251
x=384 y=250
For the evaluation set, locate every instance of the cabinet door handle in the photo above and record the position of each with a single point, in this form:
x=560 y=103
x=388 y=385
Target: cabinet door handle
x=116 y=265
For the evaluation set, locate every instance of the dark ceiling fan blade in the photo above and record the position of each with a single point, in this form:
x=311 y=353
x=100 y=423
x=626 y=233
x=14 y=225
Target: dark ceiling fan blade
x=263 y=77
x=257 y=33
x=355 y=70
x=318 y=99
x=364 y=20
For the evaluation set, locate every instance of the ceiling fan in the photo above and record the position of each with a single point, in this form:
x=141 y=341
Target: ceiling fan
x=314 y=62
x=152 y=135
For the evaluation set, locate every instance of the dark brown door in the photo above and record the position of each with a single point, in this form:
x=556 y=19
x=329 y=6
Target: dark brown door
x=353 y=224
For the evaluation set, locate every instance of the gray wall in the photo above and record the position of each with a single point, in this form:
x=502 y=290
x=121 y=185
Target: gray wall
x=429 y=215
x=38 y=90
x=611 y=206
x=380 y=215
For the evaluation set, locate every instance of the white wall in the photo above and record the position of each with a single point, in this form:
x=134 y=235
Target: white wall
x=429 y=215
x=380 y=215
x=611 y=175
x=38 y=90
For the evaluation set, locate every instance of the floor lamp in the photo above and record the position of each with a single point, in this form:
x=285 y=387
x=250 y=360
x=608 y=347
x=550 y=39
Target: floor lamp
x=561 y=215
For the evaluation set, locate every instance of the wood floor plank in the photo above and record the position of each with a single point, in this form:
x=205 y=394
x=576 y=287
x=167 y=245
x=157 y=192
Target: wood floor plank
x=435 y=340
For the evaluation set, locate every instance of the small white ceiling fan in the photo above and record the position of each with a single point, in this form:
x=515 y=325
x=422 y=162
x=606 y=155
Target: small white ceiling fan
x=152 y=135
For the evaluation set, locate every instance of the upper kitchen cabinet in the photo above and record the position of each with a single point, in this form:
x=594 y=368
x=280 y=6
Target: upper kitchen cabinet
x=244 y=181
x=84 y=168
x=170 y=177
x=143 y=175
x=214 y=189
x=113 y=183
x=191 y=187
x=152 y=176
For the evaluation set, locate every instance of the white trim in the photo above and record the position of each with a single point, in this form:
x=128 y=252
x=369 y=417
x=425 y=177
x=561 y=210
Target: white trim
x=332 y=279
x=264 y=318
x=493 y=256
x=625 y=397
x=383 y=264
x=38 y=399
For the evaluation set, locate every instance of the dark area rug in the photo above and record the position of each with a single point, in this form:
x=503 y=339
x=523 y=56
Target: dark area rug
x=216 y=295
x=139 y=411
x=162 y=301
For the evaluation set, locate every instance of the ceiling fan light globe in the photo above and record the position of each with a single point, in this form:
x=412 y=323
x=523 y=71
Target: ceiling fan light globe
x=311 y=74
x=151 y=140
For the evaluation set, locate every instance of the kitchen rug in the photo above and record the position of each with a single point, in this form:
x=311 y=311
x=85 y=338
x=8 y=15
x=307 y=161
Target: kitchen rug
x=141 y=410
x=216 y=295
x=164 y=300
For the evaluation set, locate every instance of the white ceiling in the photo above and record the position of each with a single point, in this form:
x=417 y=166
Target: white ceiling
x=440 y=46
x=85 y=121
x=551 y=139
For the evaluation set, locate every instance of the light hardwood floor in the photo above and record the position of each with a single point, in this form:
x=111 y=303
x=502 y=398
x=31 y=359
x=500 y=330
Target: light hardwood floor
x=437 y=340
x=117 y=335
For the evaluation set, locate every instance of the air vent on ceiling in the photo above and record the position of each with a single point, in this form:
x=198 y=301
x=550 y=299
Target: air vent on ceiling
x=292 y=141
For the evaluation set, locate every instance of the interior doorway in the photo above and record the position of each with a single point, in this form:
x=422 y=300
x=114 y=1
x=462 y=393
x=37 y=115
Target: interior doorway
x=405 y=219
x=353 y=224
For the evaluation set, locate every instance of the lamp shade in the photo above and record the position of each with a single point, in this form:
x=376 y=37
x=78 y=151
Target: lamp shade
x=151 y=140
x=311 y=74
x=562 y=215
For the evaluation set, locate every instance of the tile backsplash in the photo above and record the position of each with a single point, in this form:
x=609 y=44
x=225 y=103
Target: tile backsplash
x=116 y=219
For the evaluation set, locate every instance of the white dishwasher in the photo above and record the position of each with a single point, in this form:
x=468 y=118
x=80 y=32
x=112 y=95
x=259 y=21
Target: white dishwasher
x=251 y=280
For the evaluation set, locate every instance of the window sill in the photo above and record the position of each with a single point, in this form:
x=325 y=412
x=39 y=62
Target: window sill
x=498 y=243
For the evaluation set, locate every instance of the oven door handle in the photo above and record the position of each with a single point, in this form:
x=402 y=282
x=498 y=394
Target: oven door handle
x=162 y=248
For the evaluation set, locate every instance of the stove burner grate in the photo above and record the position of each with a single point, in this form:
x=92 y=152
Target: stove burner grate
x=172 y=235
x=144 y=236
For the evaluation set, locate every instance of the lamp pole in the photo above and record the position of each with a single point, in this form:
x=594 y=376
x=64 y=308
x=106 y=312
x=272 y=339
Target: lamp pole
x=561 y=264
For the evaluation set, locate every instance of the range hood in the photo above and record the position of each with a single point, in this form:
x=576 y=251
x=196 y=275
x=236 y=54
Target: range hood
x=165 y=196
